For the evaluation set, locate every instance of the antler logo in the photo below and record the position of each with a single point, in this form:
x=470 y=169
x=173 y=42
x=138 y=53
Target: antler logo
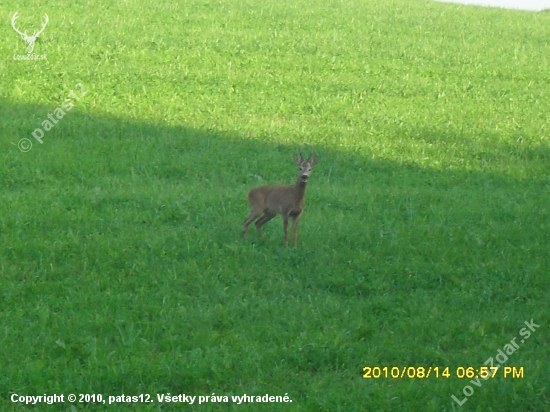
x=29 y=40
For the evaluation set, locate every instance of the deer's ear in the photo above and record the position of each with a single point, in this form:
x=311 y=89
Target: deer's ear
x=298 y=159
x=313 y=161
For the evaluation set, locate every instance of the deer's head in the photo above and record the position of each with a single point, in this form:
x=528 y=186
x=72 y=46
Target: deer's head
x=305 y=165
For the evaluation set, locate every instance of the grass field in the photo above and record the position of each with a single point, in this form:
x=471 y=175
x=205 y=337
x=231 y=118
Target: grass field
x=424 y=241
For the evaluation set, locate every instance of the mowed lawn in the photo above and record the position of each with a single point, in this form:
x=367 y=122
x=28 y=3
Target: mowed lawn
x=424 y=242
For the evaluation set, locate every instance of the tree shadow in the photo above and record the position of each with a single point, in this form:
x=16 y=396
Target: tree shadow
x=142 y=212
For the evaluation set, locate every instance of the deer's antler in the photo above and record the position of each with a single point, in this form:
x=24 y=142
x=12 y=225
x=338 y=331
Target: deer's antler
x=46 y=18
x=13 y=25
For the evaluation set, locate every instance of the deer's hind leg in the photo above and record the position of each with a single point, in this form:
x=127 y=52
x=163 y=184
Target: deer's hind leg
x=254 y=214
x=263 y=220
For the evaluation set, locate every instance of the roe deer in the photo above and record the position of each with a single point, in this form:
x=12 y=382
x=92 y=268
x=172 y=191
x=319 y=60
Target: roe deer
x=268 y=201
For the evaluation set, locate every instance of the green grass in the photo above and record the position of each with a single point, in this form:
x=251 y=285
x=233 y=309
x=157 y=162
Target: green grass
x=424 y=241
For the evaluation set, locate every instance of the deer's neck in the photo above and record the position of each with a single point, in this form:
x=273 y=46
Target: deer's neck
x=300 y=188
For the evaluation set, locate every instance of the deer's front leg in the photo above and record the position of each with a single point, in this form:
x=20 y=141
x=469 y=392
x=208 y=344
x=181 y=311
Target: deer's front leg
x=295 y=222
x=285 y=225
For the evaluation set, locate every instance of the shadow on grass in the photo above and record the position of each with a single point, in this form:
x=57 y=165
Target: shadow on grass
x=193 y=184
x=121 y=238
